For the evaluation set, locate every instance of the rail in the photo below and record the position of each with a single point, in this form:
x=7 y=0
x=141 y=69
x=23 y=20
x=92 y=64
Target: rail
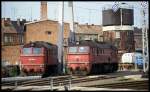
x=138 y=85
x=52 y=81
x=63 y=81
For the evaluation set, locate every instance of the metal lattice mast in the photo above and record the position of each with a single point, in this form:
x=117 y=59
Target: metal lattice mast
x=145 y=39
x=60 y=36
x=72 y=27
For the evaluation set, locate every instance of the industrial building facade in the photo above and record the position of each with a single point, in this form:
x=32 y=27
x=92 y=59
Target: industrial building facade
x=12 y=38
x=88 y=32
x=44 y=30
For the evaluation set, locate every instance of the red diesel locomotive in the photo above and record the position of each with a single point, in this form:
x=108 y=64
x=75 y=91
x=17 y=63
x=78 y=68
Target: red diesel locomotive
x=92 y=57
x=38 y=58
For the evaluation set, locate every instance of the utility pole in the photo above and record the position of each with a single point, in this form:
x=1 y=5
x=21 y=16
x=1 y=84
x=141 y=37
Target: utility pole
x=72 y=27
x=60 y=37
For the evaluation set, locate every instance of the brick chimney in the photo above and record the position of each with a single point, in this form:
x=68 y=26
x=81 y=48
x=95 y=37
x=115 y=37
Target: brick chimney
x=43 y=10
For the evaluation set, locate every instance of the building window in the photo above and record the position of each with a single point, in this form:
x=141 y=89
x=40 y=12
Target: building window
x=48 y=32
x=80 y=38
x=101 y=38
x=90 y=38
x=6 y=39
x=10 y=39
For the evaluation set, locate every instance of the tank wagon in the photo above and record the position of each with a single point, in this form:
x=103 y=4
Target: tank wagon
x=128 y=60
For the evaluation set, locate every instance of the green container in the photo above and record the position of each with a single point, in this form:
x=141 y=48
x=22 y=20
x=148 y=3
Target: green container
x=13 y=71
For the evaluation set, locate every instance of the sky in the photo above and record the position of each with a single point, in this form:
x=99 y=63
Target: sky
x=84 y=12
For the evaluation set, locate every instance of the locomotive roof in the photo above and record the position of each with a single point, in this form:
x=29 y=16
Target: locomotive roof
x=39 y=44
x=95 y=44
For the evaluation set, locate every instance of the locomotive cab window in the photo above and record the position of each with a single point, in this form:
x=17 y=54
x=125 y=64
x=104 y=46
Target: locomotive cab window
x=37 y=50
x=72 y=49
x=27 y=51
x=83 y=49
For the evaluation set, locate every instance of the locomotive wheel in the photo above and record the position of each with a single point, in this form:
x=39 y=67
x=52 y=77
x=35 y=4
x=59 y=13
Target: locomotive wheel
x=70 y=71
x=111 y=68
x=106 y=68
x=94 y=69
x=77 y=70
x=115 y=67
x=100 y=68
x=84 y=72
x=23 y=73
x=97 y=69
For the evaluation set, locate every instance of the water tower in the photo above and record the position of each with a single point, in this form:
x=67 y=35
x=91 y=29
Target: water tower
x=117 y=21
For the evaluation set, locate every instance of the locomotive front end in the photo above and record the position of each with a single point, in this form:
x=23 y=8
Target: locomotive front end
x=32 y=60
x=78 y=59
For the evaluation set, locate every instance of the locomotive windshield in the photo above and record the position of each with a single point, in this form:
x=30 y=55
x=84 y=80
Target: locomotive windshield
x=72 y=49
x=83 y=49
x=37 y=50
x=27 y=51
x=78 y=49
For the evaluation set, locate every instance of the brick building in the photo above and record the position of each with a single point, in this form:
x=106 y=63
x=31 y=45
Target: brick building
x=88 y=32
x=12 y=37
x=125 y=41
x=45 y=30
x=138 y=38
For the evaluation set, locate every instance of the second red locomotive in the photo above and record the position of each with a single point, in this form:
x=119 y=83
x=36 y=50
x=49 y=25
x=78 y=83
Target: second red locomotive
x=38 y=58
x=92 y=57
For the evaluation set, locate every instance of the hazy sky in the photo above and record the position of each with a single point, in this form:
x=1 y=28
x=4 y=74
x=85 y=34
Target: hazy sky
x=84 y=12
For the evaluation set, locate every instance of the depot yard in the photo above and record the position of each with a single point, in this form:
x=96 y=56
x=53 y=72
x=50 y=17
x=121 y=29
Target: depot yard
x=120 y=80
x=111 y=55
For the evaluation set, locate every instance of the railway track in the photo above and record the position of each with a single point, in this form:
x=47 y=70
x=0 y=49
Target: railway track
x=67 y=80
x=57 y=81
x=61 y=81
x=18 y=83
x=138 y=85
